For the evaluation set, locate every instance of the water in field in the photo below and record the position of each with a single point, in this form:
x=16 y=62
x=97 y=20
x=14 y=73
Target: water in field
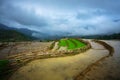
x=62 y=68
x=109 y=69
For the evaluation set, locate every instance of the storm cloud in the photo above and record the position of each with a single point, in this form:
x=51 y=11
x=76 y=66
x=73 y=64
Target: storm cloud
x=76 y=17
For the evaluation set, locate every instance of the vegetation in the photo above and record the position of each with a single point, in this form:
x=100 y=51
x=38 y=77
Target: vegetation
x=71 y=43
x=3 y=66
x=79 y=43
x=12 y=36
x=62 y=42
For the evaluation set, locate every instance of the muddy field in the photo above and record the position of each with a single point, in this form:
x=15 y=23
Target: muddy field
x=94 y=64
x=16 y=48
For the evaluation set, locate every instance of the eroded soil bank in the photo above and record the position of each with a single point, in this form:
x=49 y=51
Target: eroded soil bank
x=62 y=68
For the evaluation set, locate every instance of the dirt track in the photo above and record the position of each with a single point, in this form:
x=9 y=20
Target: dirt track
x=62 y=68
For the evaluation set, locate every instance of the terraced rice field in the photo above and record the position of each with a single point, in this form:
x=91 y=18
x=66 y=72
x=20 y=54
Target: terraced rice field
x=71 y=44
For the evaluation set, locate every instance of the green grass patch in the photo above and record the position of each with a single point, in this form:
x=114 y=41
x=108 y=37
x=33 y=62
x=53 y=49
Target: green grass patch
x=63 y=43
x=3 y=65
x=71 y=43
x=79 y=43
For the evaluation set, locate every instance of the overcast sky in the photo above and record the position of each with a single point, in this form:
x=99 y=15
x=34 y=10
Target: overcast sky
x=76 y=17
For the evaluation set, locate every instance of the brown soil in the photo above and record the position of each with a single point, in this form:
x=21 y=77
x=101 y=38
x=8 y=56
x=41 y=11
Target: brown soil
x=62 y=68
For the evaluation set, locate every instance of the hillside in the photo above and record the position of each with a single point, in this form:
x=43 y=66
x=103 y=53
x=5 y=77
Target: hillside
x=12 y=35
x=33 y=35
x=104 y=37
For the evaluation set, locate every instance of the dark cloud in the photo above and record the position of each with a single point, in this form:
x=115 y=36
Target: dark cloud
x=22 y=16
x=76 y=17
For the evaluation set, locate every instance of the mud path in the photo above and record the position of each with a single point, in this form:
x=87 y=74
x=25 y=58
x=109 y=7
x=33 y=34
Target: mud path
x=62 y=68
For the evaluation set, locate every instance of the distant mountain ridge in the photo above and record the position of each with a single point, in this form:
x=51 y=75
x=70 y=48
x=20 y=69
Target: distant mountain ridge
x=35 y=35
x=21 y=30
x=31 y=33
x=12 y=34
x=23 y=34
x=115 y=36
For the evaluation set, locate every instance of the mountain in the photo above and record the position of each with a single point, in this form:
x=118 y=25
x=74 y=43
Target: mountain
x=31 y=34
x=23 y=34
x=34 y=35
x=115 y=36
x=11 y=34
x=21 y=30
x=2 y=26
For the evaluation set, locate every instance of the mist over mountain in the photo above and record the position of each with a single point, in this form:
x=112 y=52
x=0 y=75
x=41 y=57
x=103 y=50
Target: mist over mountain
x=30 y=33
x=8 y=34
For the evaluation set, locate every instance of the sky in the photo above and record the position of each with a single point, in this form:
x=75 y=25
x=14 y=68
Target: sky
x=62 y=17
